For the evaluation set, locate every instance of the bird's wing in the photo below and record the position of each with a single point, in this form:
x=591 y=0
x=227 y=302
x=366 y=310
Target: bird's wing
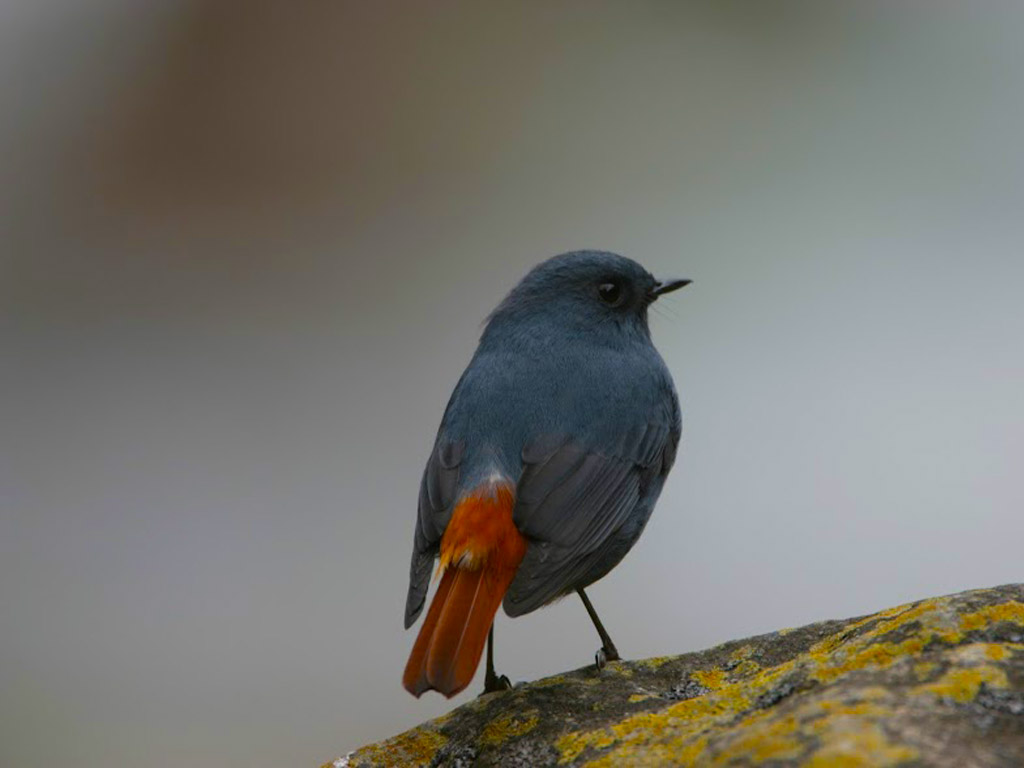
x=437 y=495
x=570 y=501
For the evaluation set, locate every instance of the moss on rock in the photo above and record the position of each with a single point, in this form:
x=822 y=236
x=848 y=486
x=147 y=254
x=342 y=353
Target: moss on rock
x=936 y=682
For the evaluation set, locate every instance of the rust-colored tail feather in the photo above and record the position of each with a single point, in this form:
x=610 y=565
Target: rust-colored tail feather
x=415 y=677
x=480 y=553
x=452 y=639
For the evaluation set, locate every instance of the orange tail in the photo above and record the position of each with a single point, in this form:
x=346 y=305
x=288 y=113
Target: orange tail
x=480 y=552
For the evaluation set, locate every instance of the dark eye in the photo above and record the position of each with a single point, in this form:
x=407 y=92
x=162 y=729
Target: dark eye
x=610 y=293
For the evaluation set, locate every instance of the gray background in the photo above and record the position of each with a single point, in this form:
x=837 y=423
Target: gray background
x=246 y=252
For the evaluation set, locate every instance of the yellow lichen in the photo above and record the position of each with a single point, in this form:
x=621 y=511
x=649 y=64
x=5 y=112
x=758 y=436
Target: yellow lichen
x=647 y=729
x=741 y=653
x=963 y=684
x=1012 y=611
x=711 y=679
x=666 y=734
x=937 y=622
x=745 y=668
x=873 y=655
x=995 y=651
x=859 y=744
x=501 y=729
x=412 y=748
x=886 y=622
x=761 y=737
x=572 y=744
x=547 y=682
x=619 y=667
x=843 y=727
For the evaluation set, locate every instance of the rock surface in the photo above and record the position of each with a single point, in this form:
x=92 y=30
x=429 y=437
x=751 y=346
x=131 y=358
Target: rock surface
x=938 y=682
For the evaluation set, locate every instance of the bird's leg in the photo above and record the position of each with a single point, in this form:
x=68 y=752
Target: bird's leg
x=493 y=682
x=608 y=651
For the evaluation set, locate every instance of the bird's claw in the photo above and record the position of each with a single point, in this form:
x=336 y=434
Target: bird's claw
x=603 y=656
x=497 y=683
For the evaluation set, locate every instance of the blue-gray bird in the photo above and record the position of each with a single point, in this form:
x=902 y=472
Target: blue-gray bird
x=551 y=454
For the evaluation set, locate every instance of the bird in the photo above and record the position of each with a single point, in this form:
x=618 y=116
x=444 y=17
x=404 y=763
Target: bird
x=552 y=451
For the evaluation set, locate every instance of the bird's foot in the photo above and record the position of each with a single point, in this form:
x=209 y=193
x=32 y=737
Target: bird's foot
x=604 y=655
x=495 y=683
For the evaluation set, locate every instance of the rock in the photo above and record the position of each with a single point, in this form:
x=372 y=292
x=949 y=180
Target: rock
x=938 y=682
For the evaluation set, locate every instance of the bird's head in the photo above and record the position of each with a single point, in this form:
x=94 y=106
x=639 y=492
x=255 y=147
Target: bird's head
x=581 y=292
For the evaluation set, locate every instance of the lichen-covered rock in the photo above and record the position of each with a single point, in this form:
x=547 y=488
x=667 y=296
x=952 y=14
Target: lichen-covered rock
x=938 y=682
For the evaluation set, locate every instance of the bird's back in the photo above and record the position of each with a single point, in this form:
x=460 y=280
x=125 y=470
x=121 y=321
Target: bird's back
x=507 y=399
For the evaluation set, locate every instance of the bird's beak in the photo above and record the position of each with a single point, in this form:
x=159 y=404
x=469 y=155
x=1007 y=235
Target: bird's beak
x=667 y=286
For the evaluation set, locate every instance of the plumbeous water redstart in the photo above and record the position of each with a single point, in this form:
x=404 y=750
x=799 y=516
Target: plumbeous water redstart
x=550 y=456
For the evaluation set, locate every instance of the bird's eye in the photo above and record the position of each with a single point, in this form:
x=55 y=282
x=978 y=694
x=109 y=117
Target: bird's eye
x=610 y=293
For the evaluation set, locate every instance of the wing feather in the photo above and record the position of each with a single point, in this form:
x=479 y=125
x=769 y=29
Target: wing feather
x=571 y=501
x=437 y=497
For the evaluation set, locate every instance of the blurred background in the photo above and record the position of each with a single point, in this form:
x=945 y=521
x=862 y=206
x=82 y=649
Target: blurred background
x=246 y=252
